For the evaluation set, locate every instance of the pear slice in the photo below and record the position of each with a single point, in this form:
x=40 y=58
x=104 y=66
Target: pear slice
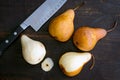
x=47 y=64
x=33 y=51
x=71 y=63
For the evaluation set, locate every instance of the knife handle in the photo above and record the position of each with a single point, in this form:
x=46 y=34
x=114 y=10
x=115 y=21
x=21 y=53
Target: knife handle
x=6 y=43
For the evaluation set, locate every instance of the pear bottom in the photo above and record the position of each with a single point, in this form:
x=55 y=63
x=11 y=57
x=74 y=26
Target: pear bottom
x=73 y=73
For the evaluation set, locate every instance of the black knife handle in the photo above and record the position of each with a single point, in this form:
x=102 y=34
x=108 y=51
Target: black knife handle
x=10 y=39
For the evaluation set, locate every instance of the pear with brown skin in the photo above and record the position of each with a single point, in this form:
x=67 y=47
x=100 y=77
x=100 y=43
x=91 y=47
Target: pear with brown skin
x=71 y=63
x=62 y=27
x=85 y=38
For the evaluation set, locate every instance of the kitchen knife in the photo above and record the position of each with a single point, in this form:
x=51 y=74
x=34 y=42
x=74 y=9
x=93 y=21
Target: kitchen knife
x=35 y=20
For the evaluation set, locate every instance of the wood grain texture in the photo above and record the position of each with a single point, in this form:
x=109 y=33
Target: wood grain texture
x=95 y=13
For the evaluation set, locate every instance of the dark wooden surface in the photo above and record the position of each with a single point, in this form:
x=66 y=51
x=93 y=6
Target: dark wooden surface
x=95 y=13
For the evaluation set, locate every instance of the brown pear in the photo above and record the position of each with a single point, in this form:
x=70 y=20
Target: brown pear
x=62 y=27
x=85 y=38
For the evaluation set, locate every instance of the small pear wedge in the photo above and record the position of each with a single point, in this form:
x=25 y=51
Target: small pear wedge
x=71 y=63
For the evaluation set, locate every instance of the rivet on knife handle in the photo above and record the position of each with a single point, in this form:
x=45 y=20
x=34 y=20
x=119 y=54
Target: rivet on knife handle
x=36 y=20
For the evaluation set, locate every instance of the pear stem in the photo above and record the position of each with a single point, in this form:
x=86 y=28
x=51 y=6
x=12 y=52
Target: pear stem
x=81 y=4
x=114 y=25
x=93 y=62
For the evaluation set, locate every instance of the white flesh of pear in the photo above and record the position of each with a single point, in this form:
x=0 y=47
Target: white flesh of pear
x=47 y=64
x=33 y=51
x=72 y=61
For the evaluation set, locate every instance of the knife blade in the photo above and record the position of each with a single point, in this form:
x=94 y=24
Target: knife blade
x=35 y=20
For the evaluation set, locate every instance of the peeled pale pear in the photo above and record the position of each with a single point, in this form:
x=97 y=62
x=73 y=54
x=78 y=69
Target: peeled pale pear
x=71 y=63
x=85 y=38
x=62 y=27
x=33 y=51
